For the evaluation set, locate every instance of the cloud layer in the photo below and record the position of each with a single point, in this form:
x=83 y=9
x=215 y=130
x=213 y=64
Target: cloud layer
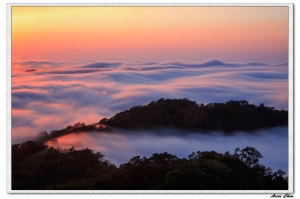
x=64 y=92
x=121 y=146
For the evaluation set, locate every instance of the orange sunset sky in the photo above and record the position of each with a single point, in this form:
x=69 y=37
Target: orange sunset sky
x=229 y=33
x=83 y=64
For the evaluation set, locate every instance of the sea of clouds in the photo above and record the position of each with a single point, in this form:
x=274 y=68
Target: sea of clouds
x=63 y=92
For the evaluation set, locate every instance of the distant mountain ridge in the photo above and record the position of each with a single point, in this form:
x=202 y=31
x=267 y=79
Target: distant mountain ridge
x=185 y=114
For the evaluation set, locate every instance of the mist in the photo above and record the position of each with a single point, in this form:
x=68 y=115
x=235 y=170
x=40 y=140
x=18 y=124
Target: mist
x=119 y=147
x=63 y=92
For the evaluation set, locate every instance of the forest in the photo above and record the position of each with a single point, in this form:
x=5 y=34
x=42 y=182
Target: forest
x=35 y=166
x=184 y=114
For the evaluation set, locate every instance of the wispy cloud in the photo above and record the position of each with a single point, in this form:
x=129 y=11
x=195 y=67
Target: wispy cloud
x=101 y=65
x=88 y=92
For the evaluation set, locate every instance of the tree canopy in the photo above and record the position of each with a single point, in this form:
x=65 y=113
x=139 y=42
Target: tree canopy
x=37 y=167
x=185 y=114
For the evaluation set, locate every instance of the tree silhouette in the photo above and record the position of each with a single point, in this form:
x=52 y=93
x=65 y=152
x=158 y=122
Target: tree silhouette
x=37 y=169
x=249 y=155
x=185 y=114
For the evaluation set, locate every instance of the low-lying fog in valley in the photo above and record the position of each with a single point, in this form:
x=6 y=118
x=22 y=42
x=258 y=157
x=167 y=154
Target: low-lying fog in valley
x=63 y=92
x=121 y=146
x=103 y=60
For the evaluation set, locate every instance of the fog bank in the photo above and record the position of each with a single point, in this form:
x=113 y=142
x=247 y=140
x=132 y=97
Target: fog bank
x=121 y=146
x=64 y=92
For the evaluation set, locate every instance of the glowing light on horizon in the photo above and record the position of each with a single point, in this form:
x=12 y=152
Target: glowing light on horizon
x=227 y=32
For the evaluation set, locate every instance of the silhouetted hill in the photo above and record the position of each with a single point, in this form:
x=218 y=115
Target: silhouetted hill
x=78 y=127
x=37 y=167
x=185 y=114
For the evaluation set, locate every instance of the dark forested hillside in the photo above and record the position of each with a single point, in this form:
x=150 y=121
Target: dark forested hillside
x=37 y=167
x=186 y=114
x=183 y=114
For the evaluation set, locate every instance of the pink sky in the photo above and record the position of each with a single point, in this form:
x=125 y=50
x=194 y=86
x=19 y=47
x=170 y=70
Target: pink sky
x=228 y=33
x=61 y=42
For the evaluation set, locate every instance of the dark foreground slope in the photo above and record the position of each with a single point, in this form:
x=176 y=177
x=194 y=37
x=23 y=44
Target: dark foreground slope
x=37 y=167
x=185 y=114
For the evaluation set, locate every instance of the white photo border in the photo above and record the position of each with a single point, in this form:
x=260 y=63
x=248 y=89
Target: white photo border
x=290 y=100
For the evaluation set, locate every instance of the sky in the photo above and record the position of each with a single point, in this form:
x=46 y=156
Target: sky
x=33 y=54
x=81 y=64
x=230 y=33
